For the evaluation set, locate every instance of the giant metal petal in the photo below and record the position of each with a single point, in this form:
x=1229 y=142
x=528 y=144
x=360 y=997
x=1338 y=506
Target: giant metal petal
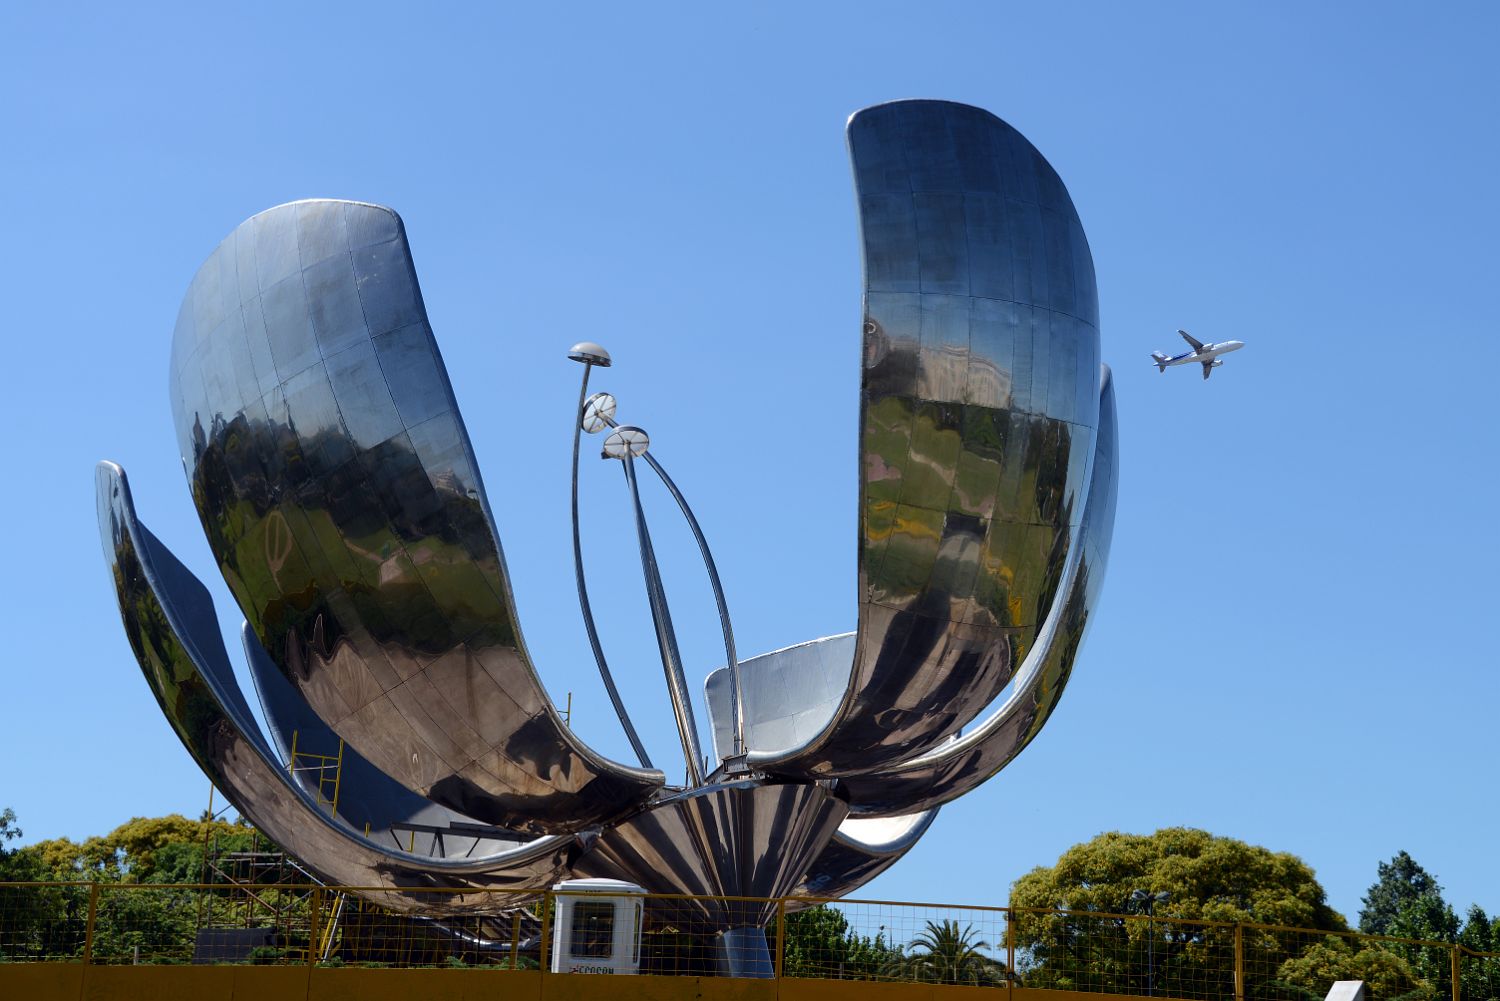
x=364 y=797
x=977 y=411
x=170 y=622
x=961 y=765
x=338 y=489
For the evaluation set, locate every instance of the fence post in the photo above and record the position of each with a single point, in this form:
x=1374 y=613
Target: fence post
x=1239 y=962
x=88 y=932
x=1457 y=963
x=780 y=936
x=313 y=914
x=546 y=931
x=1010 y=947
x=515 y=940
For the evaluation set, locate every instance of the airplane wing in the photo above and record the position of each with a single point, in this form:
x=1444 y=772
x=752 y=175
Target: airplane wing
x=1197 y=344
x=1208 y=368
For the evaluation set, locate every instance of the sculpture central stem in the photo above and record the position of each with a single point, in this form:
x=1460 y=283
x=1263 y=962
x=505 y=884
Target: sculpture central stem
x=583 y=592
x=595 y=413
x=736 y=700
x=666 y=637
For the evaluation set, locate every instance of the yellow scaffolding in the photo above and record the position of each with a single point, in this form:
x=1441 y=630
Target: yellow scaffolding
x=325 y=771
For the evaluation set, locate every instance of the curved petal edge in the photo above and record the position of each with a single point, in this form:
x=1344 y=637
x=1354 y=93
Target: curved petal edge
x=338 y=489
x=169 y=620
x=959 y=766
x=978 y=408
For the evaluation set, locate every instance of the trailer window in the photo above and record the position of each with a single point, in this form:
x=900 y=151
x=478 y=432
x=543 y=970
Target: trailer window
x=592 y=934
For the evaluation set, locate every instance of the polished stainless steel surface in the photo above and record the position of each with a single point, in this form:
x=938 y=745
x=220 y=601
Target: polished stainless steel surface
x=338 y=489
x=734 y=839
x=861 y=849
x=787 y=695
x=978 y=406
x=737 y=709
x=367 y=799
x=961 y=765
x=170 y=622
x=336 y=484
x=745 y=952
x=590 y=354
x=661 y=618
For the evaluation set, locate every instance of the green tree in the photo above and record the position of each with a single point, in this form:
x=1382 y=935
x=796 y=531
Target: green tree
x=1206 y=878
x=1387 y=976
x=1479 y=933
x=155 y=925
x=821 y=943
x=946 y=953
x=142 y=850
x=1481 y=975
x=1407 y=901
x=50 y=921
x=1399 y=882
x=36 y=922
x=14 y=866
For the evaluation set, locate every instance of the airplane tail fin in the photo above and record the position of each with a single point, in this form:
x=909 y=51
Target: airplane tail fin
x=1160 y=359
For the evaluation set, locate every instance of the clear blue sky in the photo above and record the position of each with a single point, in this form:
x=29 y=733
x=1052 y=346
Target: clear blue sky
x=1295 y=644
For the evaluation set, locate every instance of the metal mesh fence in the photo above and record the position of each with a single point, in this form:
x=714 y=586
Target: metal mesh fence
x=43 y=922
x=1080 y=951
x=355 y=932
x=1125 y=954
x=890 y=941
x=1289 y=963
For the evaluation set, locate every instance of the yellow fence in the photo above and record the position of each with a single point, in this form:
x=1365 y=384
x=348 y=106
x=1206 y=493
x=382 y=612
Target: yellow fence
x=1015 y=949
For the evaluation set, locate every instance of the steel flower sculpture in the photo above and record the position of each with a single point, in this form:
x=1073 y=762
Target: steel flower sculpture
x=335 y=481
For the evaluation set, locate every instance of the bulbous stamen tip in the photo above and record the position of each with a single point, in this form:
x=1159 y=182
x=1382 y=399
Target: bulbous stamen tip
x=587 y=352
x=626 y=442
x=598 y=413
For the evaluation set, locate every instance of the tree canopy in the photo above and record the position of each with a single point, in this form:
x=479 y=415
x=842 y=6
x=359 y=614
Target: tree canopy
x=1406 y=901
x=1190 y=876
x=10 y=866
x=166 y=849
x=820 y=942
x=1399 y=883
x=1208 y=877
x=48 y=922
x=948 y=953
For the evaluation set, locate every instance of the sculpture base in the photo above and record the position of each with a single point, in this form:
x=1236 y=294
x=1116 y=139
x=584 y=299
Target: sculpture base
x=732 y=848
x=744 y=952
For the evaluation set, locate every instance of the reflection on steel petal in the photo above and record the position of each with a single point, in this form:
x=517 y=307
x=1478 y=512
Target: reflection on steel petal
x=979 y=405
x=944 y=774
x=789 y=695
x=366 y=798
x=336 y=484
x=736 y=839
x=170 y=622
x=862 y=849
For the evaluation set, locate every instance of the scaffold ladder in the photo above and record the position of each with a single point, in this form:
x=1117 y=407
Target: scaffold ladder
x=324 y=771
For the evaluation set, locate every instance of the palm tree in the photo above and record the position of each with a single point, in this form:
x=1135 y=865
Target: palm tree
x=946 y=954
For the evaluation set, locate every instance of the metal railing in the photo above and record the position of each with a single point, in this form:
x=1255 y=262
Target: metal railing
x=896 y=941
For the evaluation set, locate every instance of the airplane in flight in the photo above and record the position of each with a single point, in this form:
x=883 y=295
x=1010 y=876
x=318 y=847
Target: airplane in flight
x=1206 y=355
